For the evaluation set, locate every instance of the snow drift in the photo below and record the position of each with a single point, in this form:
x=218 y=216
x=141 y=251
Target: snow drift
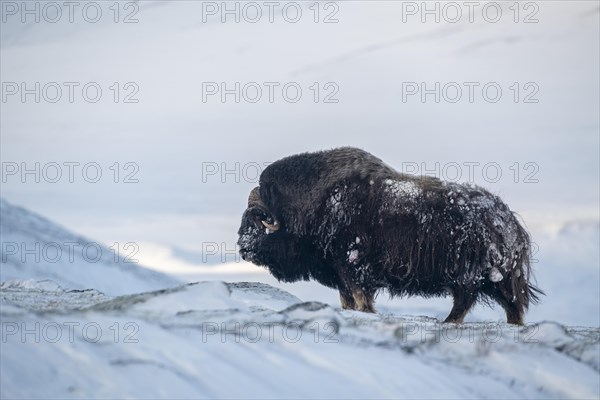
x=250 y=340
x=36 y=248
x=80 y=329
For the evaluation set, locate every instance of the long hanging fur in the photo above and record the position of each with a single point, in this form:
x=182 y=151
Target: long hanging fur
x=351 y=222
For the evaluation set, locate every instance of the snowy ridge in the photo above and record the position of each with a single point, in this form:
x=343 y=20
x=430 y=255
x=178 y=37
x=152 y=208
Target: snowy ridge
x=126 y=323
x=36 y=248
x=195 y=339
x=48 y=295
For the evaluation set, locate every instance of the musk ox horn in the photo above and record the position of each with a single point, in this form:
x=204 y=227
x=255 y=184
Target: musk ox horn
x=270 y=227
x=255 y=201
x=254 y=198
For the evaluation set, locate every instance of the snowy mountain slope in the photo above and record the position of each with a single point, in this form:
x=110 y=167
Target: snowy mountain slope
x=96 y=329
x=250 y=340
x=36 y=248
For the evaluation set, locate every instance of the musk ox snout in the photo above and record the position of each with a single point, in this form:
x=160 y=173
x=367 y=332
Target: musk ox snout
x=250 y=232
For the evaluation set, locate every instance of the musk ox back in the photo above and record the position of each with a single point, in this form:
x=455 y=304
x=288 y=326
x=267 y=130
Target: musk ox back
x=349 y=221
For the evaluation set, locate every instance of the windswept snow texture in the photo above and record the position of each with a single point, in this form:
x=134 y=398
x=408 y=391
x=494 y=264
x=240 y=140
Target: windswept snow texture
x=35 y=248
x=251 y=340
x=100 y=330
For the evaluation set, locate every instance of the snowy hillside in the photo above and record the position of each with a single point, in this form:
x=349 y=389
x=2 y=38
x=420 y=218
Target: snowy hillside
x=37 y=249
x=81 y=330
x=250 y=340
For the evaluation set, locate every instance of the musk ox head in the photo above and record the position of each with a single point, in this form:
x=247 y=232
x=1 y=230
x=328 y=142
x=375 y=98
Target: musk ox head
x=264 y=240
x=257 y=224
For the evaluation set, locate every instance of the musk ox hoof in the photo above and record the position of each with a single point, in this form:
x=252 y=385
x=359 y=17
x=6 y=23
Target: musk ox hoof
x=453 y=321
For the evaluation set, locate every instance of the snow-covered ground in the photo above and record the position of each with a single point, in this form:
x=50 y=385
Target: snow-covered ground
x=251 y=340
x=39 y=249
x=64 y=338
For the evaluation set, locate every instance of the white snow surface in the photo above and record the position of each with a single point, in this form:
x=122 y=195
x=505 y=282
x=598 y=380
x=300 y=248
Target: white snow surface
x=36 y=248
x=102 y=330
x=251 y=340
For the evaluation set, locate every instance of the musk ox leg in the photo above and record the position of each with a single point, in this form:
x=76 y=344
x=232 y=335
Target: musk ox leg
x=347 y=299
x=514 y=310
x=514 y=313
x=353 y=295
x=514 y=316
x=357 y=299
x=463 y=301
x=364 y=301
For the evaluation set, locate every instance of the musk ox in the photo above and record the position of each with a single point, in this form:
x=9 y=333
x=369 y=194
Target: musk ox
x=349 y=221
